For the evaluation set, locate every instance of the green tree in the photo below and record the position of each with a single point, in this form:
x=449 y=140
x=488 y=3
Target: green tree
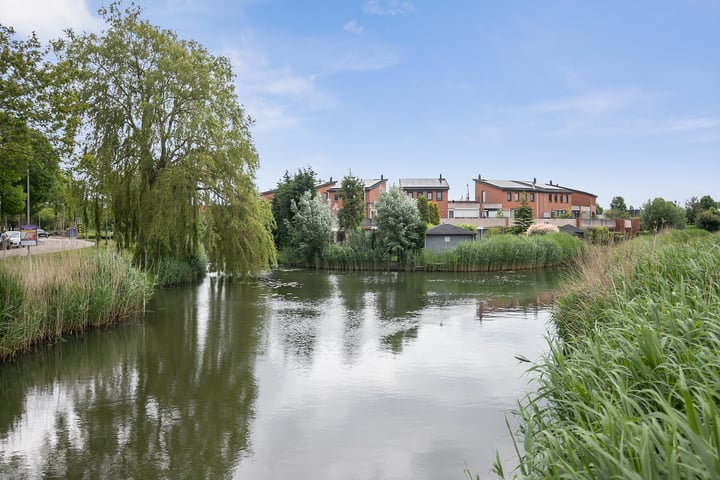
x=401 y=228
x=352 y=192
x=615 y=213
x=433 y=213
x=36 y=122
x=429 y=211
x=618 y=203
x=165 y=137
x=310 y=229
x=289 y=190
x=660 y=214
x=708 y=220
x=523 y=217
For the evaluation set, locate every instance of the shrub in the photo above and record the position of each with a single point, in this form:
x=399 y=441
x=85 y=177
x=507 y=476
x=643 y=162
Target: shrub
x=542 y=229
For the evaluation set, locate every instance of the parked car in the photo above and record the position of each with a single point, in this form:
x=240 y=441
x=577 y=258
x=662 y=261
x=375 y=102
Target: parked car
x=14 y=238
x=42 y=233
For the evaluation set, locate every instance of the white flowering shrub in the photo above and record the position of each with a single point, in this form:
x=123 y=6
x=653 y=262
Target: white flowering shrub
x=542 y=229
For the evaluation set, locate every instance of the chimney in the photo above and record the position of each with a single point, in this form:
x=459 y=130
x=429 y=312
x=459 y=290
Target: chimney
x=381 y=177
x=441 y=177
x=534 y=181
x=479 y=177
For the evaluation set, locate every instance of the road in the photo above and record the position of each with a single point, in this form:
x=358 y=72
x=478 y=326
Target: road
x=47 y=245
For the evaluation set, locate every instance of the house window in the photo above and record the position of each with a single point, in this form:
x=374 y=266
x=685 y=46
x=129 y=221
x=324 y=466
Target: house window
x=550 y=197
x=509 y=197
x=451 y=213
x=567 y=199
x=336 y=196
x=447 y=239
x=429 y=195
x=482 y=195
x=524 y=197
x=438 y=196
x=556 y=199
x=532 y=197
x=517 y=197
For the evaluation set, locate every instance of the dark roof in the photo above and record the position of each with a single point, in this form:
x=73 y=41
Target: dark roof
x=435 y=183
x=571 y=229
x=533 y=186
x=447 y=229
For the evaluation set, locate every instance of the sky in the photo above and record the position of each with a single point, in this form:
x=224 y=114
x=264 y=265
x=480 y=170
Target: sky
x=615 y=98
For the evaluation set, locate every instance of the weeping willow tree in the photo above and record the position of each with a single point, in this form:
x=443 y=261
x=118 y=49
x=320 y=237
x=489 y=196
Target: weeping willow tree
x=169 y=145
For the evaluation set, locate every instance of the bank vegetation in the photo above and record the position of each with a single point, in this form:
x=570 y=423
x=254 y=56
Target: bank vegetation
x=46 y=297
x=495 y=253
x=630 y=387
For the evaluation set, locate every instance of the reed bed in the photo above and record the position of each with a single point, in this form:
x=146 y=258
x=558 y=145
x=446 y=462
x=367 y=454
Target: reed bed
x=507 y=252
x=634 y=391
x=48 y=296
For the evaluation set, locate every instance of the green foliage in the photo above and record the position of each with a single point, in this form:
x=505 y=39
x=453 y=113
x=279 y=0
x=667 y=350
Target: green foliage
x=506 y=252
x=618 y=204
x=166 y=134
x=177 y=271
x=361 y=254
x=68 y=292
x=433 y=213
x=310 y=229
x=467 y=226
x=352 y=192
x=703 y=213
x=629 y=391
x=401 y=228
x=289 y=190
x=523 y=216
x=613 y=213
x=598 y=235
x=36 y=122
x=708 y=220
x=660 y=214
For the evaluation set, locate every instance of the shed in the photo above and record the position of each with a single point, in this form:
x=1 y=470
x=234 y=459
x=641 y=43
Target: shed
x=447 y=236
x=573 y=230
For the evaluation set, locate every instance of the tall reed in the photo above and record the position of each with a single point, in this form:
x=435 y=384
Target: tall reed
x=47 y=296
x=507 y=252
x=634 y=391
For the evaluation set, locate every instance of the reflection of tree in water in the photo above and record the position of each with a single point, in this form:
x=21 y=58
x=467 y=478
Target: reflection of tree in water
x=302 y=300
x=396 y=341
x=521 y=303
x=176 y=404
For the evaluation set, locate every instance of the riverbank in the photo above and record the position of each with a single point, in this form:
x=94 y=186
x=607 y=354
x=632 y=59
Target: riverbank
x=43 y=297
x=630 y=386
x=492 y=254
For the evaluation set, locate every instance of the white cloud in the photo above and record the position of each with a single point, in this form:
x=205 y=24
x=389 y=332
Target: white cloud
x=692 y=124
x=48 y=18
x=388 y=7
x=596 y=103
x=353 y=27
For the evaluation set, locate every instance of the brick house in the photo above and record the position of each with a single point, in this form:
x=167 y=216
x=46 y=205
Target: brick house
x=434 y=189
x=502 y=197
x=372 y=188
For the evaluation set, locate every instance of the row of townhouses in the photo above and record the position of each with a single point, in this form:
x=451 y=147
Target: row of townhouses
x=494 y=199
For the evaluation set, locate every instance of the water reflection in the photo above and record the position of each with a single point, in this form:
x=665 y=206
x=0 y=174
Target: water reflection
x=172 y=398
x=304 y=375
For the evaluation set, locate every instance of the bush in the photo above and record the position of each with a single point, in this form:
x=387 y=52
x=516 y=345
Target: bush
x=542 y=229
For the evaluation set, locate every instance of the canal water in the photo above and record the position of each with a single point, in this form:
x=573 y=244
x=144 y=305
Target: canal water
x=303 y=375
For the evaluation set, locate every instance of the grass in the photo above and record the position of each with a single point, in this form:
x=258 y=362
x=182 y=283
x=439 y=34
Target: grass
x=630 y=388
x=507 y=252
x=45 y=297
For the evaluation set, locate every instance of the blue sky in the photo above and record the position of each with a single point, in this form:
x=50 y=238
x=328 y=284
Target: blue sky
x=613 y=97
